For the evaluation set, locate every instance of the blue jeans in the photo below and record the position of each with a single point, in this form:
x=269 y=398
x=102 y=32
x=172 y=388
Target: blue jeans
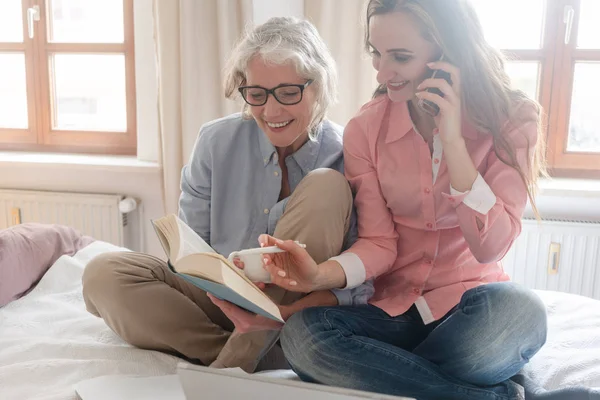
x=469 y=354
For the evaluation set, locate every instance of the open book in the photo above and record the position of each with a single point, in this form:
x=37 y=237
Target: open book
x=195 y=261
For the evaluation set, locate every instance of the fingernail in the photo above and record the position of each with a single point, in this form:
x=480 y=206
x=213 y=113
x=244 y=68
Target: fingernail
x=281 y=273
x=431 y=64
x=265 y=260
x=418 y=94
x=293 y=283
x=262 y=244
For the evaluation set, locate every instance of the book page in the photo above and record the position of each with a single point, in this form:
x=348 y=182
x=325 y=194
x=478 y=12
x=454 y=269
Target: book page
x=216 y=268
x=168 y=235
x=250 y=292
x=190 y=242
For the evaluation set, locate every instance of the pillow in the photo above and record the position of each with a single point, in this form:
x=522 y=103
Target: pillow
x=28 y=250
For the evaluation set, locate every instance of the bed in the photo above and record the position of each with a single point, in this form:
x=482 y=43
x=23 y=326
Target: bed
x=48 y=342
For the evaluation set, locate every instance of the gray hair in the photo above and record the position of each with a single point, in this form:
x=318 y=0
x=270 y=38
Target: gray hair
x=281 y=40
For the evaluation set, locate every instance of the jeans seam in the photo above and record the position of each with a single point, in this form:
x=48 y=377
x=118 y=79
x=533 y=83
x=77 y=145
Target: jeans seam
x=356 y=339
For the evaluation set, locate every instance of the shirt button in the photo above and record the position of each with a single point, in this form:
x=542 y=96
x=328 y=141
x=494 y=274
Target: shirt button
x=427 y=191
x=276 y=173
x=266 y=160
x=436 y=131
x=416 y=291
x=436 y=161
x=429 y=225
x=266 y=210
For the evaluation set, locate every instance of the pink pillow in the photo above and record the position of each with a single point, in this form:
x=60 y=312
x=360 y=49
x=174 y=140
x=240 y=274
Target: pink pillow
x=28 y=250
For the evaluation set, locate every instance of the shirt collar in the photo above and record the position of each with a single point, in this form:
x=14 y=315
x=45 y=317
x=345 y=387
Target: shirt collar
x=396 y=119
x=306 y=156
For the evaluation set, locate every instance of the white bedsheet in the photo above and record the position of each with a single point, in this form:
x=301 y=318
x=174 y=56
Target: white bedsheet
x=571 y=356
x=48 y=341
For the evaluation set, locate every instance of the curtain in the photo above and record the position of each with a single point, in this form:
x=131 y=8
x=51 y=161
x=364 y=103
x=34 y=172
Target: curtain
x=341 y=25
x=193 y=40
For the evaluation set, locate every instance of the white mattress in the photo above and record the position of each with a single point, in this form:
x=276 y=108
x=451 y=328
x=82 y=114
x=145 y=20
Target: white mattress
x=48 y=341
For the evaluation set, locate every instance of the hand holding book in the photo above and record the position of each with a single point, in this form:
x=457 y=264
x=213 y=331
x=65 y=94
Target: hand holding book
x=245 y=321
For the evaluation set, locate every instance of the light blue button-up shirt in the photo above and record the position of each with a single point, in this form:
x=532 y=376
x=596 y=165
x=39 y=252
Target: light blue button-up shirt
x=231 y=185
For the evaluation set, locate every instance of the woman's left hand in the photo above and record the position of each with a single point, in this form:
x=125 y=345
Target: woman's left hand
x=245 y=321
x=449 y=119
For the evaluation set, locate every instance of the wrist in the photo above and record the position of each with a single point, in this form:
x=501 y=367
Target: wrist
x=330 y=275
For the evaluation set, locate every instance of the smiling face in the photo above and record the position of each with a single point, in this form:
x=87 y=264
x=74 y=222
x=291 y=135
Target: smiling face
x=400 y=54
x=285 y=126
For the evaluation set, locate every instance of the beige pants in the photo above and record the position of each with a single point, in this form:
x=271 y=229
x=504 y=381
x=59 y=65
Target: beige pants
x=148 y=306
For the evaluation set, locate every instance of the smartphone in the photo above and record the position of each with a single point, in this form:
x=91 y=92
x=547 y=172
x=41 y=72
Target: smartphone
x=428 y=106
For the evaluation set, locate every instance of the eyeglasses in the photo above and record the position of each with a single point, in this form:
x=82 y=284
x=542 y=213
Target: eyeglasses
x=287 y=95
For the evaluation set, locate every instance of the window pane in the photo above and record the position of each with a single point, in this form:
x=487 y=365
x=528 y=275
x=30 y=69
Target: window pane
x=11 y=21
x=84 y=21
x=589 y=29
x=527 y=15
x=584 y=127
x=13 y=91
x=524 y=76
x=89 y=92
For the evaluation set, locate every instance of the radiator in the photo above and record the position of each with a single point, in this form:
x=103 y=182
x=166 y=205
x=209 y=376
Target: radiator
x=96 y=215
x=561 y=256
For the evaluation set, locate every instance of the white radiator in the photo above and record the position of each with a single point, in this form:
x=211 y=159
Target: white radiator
x=562 y=256
x=96 y=215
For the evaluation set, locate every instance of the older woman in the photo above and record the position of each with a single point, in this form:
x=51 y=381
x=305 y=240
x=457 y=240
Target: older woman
x=273 y=169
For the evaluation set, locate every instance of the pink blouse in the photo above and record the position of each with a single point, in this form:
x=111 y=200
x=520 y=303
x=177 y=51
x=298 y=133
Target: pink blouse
x=418 y=237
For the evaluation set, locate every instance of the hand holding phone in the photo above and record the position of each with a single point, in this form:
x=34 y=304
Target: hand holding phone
x=428 y=106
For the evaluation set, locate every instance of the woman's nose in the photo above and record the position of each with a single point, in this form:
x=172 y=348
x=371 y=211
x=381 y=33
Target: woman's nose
x=385 y=72
x=272 y=107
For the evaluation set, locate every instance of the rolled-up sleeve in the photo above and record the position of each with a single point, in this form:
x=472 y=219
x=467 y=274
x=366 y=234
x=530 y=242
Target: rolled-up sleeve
x=355 y=296
x=490 y=212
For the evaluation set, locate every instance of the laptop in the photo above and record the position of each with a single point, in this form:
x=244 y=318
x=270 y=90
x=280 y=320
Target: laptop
x=202 y=383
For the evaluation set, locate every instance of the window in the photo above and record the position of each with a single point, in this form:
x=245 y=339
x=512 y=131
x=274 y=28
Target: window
x=67 y=76
x=554 y=52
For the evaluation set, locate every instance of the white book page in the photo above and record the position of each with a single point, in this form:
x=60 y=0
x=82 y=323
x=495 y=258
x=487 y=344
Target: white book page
x=190 y=242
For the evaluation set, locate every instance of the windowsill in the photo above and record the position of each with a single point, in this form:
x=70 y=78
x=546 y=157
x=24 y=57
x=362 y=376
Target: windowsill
x=566 y=187
x=563 y=187
x=103 y=162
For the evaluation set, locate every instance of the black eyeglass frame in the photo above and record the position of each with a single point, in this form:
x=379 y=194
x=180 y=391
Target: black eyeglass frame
x=272 y=92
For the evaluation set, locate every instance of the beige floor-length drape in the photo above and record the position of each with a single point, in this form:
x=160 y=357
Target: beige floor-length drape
x=341 y=24
x=193 y=39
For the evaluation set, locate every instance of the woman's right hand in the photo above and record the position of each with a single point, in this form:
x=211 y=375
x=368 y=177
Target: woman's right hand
x=294 y=270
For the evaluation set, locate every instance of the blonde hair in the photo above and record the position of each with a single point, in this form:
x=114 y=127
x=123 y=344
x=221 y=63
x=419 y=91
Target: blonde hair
x=281 y=40
x=487 y=96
